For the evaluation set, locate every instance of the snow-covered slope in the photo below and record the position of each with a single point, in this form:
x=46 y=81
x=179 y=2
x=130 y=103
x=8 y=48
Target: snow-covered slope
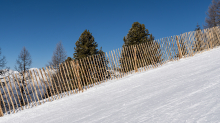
x=187 y=90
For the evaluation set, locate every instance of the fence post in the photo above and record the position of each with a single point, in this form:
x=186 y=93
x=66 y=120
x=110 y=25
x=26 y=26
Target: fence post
x=179 y=49
x=135 y=59
x=1 y=112
x=78 y=76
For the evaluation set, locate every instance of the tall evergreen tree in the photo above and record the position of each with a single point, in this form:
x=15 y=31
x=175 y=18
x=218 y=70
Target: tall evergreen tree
x=150 y=50
x=85 y=47
x=137 y=34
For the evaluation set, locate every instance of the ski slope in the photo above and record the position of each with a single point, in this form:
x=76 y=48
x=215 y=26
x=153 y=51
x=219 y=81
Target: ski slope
x=187 y=90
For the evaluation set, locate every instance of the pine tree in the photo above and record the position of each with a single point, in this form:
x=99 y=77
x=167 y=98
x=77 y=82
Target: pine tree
x=150 y=50
x=137 y=34
x=86 y=47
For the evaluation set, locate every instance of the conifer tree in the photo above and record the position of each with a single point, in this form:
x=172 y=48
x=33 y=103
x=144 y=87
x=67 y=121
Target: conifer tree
x=85 y=47
x=150 y=49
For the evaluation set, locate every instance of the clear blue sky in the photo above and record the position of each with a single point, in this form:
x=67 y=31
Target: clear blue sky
x=40 y=24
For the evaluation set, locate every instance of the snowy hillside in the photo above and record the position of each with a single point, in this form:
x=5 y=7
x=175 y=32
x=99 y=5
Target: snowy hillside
x=187 y=90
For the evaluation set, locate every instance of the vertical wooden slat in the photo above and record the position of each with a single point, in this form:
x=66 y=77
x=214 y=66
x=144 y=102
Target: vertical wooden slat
x=20 y=92
x=58 y=81
x=1 y=111
x=41 y=84
x=31 y=89
x=74 y=77
x=91 y=70
x=2 y=96
x=84 y=73
x=24 y=91
x=70 y=72
x=27 y=87
x=63 y=81
x=78 y=76
x=16 y=91
x=178 y=45
x=6 y=85
x=66 y=78
x=12 y=92
x=45 y=85
x=109 y=66
x=48 y=86
x=53 y=83
x=37 y=84
x=34 y=87
x=54 y=95
x=6 y=97
x=81 y=71
x=85 y=63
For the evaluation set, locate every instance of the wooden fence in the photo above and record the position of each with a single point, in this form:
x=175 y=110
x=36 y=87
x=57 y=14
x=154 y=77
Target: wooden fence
x=37 y=86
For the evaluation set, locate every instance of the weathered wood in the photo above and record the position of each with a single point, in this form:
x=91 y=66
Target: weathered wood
x=74 y=77
x=2 y=100
x=179 y=49
x=12 y=93
x=82 y=75
x=6 y=85
x=24 y=90
x=54 y=95
x=41 y=84
x=83 y=68
x=66 y=78
x=63 y=81
x=16 y=91
x=53 y=82
x=2 y=96
x=34 y=87
x=6 y=97
x=68 y=74
x=20 y=92
x=27 y=87
x=48 y=86
x=58 y=81
x=31 y=89
x=45 y=85
x=109 y=66
x=91 y=71
x=37 y=84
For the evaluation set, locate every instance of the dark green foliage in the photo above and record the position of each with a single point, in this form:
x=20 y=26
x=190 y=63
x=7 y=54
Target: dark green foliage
x=147 y=50
x=85 y=46
x=137 y=34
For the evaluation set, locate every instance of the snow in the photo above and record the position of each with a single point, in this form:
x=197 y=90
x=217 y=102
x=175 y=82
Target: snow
x=179 y=91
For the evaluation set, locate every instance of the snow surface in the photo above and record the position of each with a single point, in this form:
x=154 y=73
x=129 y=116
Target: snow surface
x=187 y=90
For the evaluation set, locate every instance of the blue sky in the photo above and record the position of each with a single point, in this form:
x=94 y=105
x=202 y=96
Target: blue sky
x=40 y=24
